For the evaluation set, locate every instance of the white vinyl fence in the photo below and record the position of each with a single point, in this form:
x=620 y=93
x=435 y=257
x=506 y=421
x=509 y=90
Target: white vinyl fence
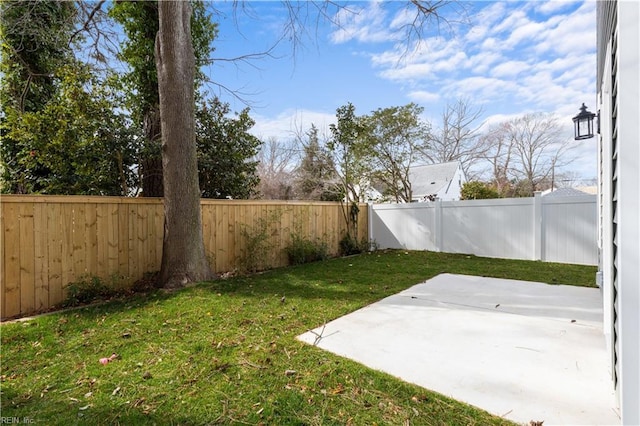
x=551 y=229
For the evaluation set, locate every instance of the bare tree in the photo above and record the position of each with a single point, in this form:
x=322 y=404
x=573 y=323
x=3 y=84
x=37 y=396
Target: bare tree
x=525 y=153
x=183 y=255
x=497 y=150
x=540 y=148
x=458 y=137
x=276 y=164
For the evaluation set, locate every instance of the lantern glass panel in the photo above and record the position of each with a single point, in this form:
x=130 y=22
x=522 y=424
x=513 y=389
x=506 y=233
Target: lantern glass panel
x=584 y=127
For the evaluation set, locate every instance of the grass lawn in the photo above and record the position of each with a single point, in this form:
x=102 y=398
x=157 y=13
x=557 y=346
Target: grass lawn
x=225 y=352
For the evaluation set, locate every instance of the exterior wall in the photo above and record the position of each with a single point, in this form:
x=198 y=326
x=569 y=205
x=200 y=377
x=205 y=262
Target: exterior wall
x=451 y=192
x=561 y=229
x=619 y=183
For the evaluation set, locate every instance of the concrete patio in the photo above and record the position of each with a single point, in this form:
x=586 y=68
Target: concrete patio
x=521 y=350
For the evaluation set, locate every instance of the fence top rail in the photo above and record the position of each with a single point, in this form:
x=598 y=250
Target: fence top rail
x=522 y=201
x=408 y=206
x=76 y=199
x=571 y=199
x=98 y=199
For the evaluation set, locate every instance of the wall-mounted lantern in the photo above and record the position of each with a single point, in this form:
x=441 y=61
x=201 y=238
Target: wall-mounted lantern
x=583 y=124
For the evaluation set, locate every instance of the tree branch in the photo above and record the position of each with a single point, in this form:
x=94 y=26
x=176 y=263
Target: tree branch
x=85 y=26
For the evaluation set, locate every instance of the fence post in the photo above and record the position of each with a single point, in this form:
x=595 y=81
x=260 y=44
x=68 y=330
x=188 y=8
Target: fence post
x=370 y=225
x=537 y=226
x=438 y=225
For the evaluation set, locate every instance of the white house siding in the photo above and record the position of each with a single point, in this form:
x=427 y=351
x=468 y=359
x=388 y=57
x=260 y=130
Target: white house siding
x=619 y=184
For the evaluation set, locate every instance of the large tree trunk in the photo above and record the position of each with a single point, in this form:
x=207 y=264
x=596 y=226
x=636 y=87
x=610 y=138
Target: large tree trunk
x=183 y=255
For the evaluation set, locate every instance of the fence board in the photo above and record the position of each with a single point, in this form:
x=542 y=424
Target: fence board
x=123 y=241
x=79 y=264
x=113 y=230
x=102 y=249
x=27 y=258
x=41 y=266
x=2 y=258
x=54 y=248
x=11 y=270
x=49 y=241
x=67 y=244
x=91 y=237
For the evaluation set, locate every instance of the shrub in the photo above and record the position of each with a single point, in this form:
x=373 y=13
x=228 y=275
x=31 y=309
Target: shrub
x=476 y=190
x=260 y=253
x=86 y=290
x=349 y=245
x=303 y=250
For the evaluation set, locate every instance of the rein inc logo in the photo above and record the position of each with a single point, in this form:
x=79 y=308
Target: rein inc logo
x=16 y=420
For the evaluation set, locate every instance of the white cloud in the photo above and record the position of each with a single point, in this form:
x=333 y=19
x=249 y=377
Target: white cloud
x=402 y=17
x=480 y=89
x=483 y=62
x=548 y=7
x=290 y=123
x=364 y=24
x=516 y=57
x=513 y=19
x=573 y=33
x=525 y=32
x=484 y=20
x=523 y=52
x=510 y=69
x=422 y=96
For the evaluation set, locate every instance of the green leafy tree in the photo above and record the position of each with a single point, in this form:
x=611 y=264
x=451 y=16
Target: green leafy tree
x=225 y=152
x=349 y=148
x=317 y=179
x=397 y=139
x=74 y=144
x=34 y=45
x=350 y=153
x=60 y=134
x=476 y=190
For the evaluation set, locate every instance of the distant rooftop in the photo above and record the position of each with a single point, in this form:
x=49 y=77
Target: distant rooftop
x=564 y=192
x=429 y=179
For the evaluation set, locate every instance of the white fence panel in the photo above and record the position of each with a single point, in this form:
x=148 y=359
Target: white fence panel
x=492 y=228
x=408 y=226
x=570 y=226
x=552 y=229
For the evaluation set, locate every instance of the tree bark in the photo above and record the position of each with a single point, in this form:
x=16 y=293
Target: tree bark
x=183 y=255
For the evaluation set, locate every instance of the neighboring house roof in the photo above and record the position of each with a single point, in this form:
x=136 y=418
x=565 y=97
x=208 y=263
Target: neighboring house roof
x=430 y=179
x=588 y=189
x=564 y=192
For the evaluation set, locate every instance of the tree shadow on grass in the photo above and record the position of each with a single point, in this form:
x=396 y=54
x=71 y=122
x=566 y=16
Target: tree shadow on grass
x=355 y=280
x=116 y=412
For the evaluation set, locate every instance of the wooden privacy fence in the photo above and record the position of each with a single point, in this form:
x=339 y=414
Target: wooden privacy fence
x=47 y=242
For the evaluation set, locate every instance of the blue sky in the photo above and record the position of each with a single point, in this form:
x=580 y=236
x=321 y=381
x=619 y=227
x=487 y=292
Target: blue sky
x=508 y=58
